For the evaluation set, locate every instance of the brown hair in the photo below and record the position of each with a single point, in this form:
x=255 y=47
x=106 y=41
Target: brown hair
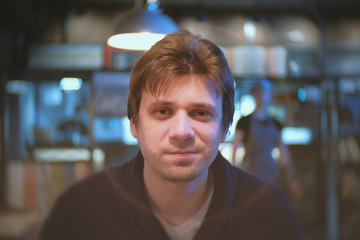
x=176 y=55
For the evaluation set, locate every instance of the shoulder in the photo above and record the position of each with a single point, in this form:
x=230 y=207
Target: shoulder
x=264 y=204
x=243 y=122
x=98 y=188
x=277 y=123
x=251 y=184
x=90 y=201
x=106 y=183
x=244 y=183
x=93 y=188
x=255 y=193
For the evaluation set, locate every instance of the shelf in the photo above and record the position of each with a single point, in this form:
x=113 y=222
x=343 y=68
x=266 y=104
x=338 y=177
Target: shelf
x=349 y=130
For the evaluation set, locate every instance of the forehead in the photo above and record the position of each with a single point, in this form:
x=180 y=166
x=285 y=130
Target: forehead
x=174 y=84
x=187 y=90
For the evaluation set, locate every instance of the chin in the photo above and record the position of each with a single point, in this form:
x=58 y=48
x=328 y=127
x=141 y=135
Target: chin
x=181 y=176
x=179 y=179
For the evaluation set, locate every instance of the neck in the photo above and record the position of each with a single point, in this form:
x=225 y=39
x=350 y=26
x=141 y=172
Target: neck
x=261 y=113
x=177 y=202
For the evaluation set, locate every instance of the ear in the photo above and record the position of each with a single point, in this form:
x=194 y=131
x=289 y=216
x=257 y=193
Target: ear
x=133 y=129
x=223 y=136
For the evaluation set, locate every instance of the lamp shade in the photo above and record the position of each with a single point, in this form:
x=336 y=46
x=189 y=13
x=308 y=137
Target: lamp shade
x=140 y=29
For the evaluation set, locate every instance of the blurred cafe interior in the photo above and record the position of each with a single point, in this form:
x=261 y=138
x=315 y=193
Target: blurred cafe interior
x=64 y=95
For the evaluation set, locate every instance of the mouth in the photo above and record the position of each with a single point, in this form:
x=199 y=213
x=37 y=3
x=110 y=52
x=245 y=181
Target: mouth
x=183 y=154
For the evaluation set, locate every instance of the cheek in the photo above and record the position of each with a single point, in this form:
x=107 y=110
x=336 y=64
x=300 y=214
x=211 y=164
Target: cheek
x=212 y=135
x=150 y=136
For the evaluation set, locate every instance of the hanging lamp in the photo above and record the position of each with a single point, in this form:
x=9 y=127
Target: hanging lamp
x=142 y=28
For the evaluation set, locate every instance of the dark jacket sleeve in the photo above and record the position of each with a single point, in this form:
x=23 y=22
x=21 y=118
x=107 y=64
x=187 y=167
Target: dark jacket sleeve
x=243 y=124
x=289 y=227
x=88 y=210
x=65 y=221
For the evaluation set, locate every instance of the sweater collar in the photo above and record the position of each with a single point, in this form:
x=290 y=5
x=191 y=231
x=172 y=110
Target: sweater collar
x=217 y=214
x=223 y=198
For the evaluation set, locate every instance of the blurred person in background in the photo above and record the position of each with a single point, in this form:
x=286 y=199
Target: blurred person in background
x=260 y=134
x=179 y=186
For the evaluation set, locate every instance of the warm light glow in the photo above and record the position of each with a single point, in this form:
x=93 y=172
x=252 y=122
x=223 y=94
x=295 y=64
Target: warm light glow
x=135 y=41
x=249 y=30
x=61 y=154
x=296 y=36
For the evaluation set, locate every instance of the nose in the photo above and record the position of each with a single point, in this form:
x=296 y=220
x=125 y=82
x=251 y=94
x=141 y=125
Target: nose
x=182 y=127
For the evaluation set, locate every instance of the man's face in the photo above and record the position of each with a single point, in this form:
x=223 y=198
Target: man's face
x=263 y=97
x=179 y=131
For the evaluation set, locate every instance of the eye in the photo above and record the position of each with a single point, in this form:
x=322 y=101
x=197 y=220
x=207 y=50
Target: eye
x=162 y=113
x=202 y=115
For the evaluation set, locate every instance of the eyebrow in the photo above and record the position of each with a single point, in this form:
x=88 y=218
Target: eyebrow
x=205 y=105
x=157 y=103
x=160 y=102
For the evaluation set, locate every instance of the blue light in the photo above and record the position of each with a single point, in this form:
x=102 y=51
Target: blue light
x=70 y=83
x=152 y=7
x=292 y=135
x=18 y=87
x=302 y=94
x=127 y=137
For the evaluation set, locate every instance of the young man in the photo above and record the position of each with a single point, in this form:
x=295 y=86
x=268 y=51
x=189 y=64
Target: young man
x=260 y=133
x=181 y=103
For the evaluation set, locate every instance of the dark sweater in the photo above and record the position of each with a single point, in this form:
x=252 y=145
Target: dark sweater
x=112 y=205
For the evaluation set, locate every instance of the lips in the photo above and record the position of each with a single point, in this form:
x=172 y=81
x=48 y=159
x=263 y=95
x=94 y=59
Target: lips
x=182 y=154
x=182 y=151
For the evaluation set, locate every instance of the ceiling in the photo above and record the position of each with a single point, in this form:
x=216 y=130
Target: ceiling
x=22 y=21
x=37 y=12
